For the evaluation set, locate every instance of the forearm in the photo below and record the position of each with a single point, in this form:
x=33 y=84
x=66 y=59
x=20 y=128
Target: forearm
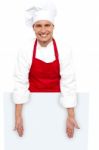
x=71 y=112
x=18 y=110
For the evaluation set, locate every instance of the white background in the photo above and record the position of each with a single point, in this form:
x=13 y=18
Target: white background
x=78 y=23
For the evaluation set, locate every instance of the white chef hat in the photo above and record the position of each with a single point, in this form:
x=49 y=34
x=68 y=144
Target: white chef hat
x=36 y=11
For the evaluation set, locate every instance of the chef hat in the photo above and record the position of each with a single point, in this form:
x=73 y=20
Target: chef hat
x=36 y=11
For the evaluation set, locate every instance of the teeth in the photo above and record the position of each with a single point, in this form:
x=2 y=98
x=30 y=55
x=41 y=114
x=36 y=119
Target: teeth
x=44 y=35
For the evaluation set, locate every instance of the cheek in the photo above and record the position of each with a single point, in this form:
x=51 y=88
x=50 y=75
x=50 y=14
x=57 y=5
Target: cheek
x=50 y=31
x=37 y=33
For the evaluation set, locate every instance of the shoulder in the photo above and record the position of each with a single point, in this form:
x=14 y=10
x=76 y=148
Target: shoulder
x=27 y=44
x=26 y=47
x=64 y=49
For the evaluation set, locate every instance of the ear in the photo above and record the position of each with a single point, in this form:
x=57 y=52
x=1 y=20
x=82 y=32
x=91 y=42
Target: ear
x=53 y=26
x=33 y=26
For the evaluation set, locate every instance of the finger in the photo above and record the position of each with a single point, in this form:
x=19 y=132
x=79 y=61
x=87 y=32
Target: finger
x=70 y=135
x=76 y=125
x=20 y=134
x=70 y=132
x=14 y=128
x=20 y=131
x=18 y=126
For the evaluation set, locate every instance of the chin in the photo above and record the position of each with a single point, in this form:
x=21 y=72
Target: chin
x=44 y=40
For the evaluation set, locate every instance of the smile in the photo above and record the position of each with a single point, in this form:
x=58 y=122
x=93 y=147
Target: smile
x=43 y=35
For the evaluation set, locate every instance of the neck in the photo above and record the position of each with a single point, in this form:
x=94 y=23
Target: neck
x=45 y=43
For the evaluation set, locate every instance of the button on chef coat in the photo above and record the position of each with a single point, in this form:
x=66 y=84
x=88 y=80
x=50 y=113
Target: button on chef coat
x=21 y=93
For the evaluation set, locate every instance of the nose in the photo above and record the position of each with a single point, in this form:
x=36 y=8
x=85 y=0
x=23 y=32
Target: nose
x=43 y=29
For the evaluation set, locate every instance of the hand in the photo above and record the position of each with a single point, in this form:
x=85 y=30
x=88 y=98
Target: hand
x=70 y=125
x=19 y=125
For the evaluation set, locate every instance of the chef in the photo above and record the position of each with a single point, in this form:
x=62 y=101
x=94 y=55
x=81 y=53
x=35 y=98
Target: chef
x=44 y=65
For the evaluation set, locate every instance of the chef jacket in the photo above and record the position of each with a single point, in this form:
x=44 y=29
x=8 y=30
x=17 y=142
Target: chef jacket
x=21 y=94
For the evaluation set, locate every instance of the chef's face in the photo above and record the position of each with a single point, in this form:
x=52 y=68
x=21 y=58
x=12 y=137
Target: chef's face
x=44 y=31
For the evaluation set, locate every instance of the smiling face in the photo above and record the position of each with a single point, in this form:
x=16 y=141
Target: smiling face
x=44 y=31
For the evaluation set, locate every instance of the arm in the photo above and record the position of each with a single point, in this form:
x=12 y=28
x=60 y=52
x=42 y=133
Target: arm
x=20 y=92
x=71 y=122
x=71 y=112
x=18 y=110
x=68 y=91
x=19 y=119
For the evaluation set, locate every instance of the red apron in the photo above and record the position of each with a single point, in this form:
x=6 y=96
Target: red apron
x=44 y=77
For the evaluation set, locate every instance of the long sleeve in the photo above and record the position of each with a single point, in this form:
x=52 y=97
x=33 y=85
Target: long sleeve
x=21 y=93
x=68 y=96
x=22 y=67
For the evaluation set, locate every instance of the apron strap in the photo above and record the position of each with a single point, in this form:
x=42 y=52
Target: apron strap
x=55 y=49
x=34 y=49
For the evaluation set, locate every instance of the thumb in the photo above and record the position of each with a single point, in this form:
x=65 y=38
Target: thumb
x=76 y=125
x=14 y=129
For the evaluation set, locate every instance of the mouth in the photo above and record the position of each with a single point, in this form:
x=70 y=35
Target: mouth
x=43 y=35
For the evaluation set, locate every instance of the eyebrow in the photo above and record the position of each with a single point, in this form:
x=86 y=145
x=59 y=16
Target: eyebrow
x=38 y=24
x=47 y=24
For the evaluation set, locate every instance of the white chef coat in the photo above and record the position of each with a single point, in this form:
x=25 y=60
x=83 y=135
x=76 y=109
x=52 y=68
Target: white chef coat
x=21 y=93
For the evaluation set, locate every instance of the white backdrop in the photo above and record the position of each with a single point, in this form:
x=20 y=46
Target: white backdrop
x=78 y=23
